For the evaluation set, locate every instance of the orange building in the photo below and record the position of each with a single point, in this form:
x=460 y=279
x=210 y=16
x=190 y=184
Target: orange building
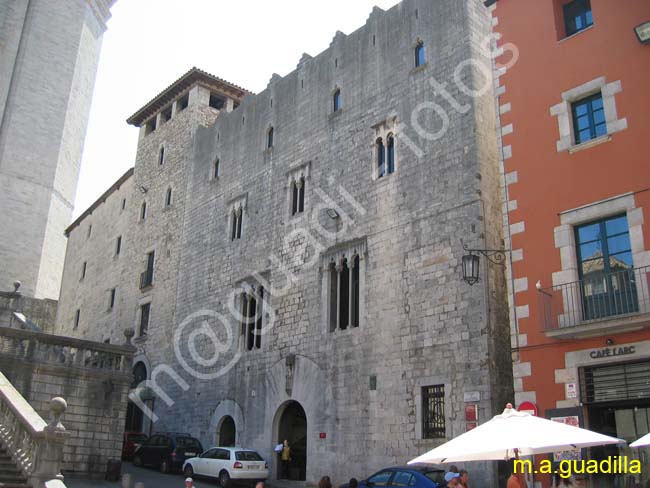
x=574 y=101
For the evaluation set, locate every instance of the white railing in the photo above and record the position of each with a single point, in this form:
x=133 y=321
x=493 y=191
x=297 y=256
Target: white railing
x=35 y=445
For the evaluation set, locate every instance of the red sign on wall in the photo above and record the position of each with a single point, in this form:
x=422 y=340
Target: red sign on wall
x=322 y=435
x=471 y=413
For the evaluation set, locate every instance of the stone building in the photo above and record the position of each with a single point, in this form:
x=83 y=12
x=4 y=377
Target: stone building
x=50 y=52
x=303 y=280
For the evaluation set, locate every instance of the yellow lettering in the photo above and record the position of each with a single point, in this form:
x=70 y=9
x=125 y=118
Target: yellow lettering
x=635 y=467
x=546 y=466
x=523 y=466
x=592 y=467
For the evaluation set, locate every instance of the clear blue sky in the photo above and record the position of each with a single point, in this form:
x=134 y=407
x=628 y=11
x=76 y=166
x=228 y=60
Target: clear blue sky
x=150 y=43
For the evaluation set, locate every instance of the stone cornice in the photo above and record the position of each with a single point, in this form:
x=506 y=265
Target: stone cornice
x=101 y=9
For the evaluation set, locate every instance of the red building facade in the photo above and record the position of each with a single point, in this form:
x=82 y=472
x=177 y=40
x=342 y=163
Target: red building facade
x=574 y=103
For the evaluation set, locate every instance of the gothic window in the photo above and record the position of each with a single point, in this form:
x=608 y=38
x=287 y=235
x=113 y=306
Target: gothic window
x=298 y=196
x=252 y=313
x=390 y=153
x=381 y=158
x=344 y=293
x=236 y=223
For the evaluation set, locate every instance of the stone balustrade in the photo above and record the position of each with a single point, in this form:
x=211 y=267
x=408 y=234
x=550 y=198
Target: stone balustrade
x=64 y=351
x=35 y=445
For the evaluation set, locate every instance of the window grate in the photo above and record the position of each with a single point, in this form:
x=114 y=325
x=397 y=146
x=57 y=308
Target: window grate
x=619 y=382
x=433 y=412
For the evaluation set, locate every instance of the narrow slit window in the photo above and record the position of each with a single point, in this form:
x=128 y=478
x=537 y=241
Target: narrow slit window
x=344 y=288
x=233 y=232
x=301 y=195
x=143 y=211
x=294 y=197
x=269 y=138
x=215 y=169
x=168 y=198
x=390 y=152
x=161 y=156
x=239 y=222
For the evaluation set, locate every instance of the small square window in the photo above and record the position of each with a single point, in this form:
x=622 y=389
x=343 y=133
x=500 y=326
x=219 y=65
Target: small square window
x=577 y=16
x=216 y=101
x=589 y=118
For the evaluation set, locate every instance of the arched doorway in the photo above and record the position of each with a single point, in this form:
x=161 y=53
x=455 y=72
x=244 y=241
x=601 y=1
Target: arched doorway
x=226 y=433
x=292 y=426
x=134 y=415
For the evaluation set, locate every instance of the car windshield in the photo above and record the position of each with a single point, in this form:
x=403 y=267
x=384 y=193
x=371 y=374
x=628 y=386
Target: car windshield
x=247 y=456
x=137 y=438
x=188 y=443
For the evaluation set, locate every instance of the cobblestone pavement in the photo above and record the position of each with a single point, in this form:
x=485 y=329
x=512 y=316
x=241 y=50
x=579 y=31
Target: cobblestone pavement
x=150 y=477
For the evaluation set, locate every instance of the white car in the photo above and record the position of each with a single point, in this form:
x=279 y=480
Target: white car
x=226 y=463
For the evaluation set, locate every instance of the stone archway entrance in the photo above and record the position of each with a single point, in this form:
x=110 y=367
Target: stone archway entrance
x=292 y=426
x=227 y=432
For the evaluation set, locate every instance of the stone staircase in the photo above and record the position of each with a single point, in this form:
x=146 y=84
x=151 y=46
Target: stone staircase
x=10 y=475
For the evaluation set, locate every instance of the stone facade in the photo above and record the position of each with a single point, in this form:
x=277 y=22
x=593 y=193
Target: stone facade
x=47 y=73
x=419 y=325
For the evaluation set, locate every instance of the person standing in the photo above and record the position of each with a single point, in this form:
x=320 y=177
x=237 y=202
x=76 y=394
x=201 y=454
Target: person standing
x=189 y=483
x=325 y=482
x=463 y=481
x=285 y=458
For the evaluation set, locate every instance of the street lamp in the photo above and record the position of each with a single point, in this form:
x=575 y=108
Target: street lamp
x=471 y=262
x=643 y=32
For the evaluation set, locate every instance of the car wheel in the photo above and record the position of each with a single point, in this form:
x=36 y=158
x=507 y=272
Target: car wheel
x=188 y=471
x=164 y=467
x=224 y=479
x=137 y=460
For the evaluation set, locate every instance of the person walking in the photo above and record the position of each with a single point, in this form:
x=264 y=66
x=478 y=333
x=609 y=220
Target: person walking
x=285 y=458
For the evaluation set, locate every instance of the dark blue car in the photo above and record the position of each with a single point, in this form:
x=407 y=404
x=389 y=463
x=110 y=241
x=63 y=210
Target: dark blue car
x=413 y=476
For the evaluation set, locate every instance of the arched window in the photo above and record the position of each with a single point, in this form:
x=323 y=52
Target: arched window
x=381 y=158
x=419 y=54
x=237 y=217
x=139 y=374
x=336 y=99
x=161 y=156
x=269 y=138
x=215 y=169
x=143 y=211
x=390 y=150
x=168 y=197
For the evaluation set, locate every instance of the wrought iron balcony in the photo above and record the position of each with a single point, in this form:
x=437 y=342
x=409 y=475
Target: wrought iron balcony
x=601 y=303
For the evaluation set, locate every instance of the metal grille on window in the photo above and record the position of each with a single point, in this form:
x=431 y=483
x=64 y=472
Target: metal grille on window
x=619 y=382
x=433 y=412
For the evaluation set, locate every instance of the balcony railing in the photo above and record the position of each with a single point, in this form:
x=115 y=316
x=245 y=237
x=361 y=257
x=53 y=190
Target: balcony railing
x=600 y=297
x=26 y=345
